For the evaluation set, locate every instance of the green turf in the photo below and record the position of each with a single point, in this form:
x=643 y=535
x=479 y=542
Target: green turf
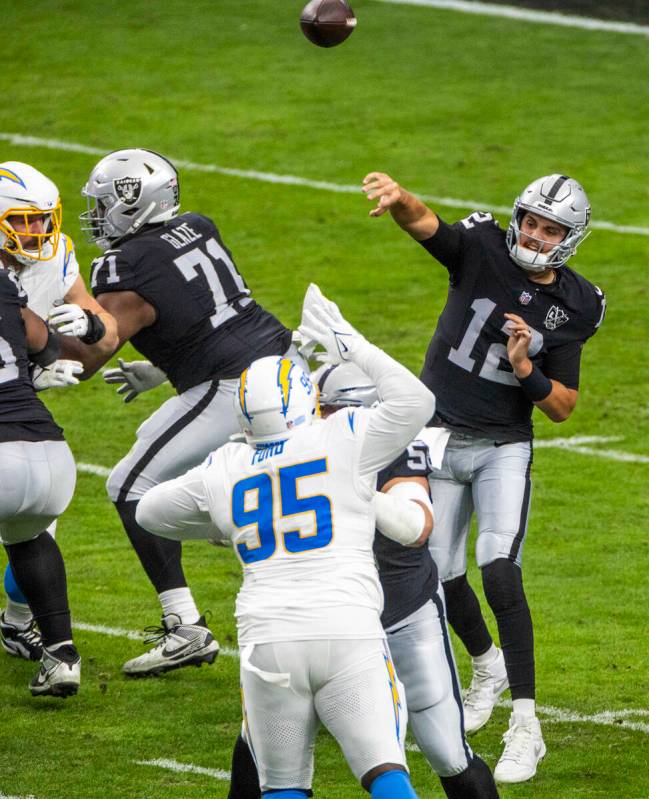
x=452 y=105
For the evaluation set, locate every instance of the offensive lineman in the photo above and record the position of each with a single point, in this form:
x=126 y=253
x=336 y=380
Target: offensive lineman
x=296 y=502
x=509 y=338
x=34 y=248
x=413 y=613
x=177 y=295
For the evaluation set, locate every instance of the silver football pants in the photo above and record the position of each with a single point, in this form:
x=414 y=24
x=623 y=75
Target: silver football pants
x=492 y=479
x=37 y=480
x=423 y=658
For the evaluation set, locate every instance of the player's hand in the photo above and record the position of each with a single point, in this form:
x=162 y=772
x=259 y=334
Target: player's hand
x=134 y=377
x=69 y=320
x=303 y=346
x=378 y=185
x=518 y=344
x=59 y=374
x=323 y=323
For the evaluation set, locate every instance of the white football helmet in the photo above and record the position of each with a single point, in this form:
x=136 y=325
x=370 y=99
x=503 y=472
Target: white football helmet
x=25 y=195
x=344 y=384
x=274 y=397
x=555 y=197
x=126 y=190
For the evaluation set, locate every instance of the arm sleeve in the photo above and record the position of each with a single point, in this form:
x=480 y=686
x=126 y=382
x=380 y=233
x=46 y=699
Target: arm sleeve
x=406 y=405
x=562 y=364
x=177 y=509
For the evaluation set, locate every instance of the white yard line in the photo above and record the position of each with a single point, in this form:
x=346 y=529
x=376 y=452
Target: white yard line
x=18 y=140
x=174 y=765
x=575 y=444
x=528 y=15
x=6 y=796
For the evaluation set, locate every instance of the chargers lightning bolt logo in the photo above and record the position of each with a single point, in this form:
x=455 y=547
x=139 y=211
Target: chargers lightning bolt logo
x=396 y=699
x=284 y=382
x=7 y=174
x=242 y=394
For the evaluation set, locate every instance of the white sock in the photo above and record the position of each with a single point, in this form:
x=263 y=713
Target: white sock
x=525 y=708
x=487 y=659
x=180 y=602
x=18 y=614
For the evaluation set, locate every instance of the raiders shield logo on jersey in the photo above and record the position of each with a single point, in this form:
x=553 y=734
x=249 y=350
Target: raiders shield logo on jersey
x=128 y=189
x=555 y=318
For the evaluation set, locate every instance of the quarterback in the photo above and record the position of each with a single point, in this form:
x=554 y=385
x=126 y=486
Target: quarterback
x=296 y=502
x=509 y=338
x=35 y=249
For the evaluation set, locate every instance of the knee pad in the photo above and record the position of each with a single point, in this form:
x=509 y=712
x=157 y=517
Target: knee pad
x=12 y=589
x=502 y=581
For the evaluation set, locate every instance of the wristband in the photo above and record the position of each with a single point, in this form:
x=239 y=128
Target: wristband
x=96 y=329
x=536 y=386
x=50 y=351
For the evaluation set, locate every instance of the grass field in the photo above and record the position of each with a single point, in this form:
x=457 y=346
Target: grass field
x=455 y=106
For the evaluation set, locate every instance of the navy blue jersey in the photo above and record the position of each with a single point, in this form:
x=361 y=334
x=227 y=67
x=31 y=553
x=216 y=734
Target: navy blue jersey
x=466 y=363
x=23 y=417
x=408 y=574
x=207 y=326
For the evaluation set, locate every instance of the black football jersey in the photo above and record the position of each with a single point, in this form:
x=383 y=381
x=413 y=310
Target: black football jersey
x=408 y=575
x=466 y=363
x=208 y=326
x=23 y=417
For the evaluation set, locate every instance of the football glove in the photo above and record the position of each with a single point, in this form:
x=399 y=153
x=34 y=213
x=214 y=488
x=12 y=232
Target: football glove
x=59 y=374
x=323 y=323
x=135 y=377
x=69 y=320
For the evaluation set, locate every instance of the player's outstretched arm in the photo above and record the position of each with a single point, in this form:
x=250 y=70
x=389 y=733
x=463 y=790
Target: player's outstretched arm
x=406 y=403
x=408 y=211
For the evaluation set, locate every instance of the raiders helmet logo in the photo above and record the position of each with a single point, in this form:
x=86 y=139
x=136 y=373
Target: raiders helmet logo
x=128 y=190
x=555 y=318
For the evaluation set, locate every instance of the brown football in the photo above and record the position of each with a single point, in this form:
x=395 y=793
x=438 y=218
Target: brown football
x=327 y=22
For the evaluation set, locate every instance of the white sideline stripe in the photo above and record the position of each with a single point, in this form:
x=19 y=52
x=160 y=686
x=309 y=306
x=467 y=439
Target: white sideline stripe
x=528 y=15
x=575 y=443
x=174 y=765
x=133 y=635
x=18 y=140
x=92 y=468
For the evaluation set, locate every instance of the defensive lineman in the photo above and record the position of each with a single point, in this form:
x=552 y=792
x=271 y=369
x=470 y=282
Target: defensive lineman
x=509 y=337
x=177 y=295
x=413 y=613
x=297 y=506
x=33 y=246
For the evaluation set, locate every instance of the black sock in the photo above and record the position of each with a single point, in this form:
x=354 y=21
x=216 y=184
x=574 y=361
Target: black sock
x=465 y=617
x=160 y=557
x=475 y=782
x=244 y=782
x=503 y=587
x=40 y=572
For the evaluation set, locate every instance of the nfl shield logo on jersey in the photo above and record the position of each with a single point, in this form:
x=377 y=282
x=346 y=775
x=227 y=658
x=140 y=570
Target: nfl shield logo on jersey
x=128 y=189
x=525 y=298
x=555 y=318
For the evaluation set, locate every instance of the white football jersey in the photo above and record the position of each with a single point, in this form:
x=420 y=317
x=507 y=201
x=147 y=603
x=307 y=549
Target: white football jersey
x=301 y=522
x=47 y=282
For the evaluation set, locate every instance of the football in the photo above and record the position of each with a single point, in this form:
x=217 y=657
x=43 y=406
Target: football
x=327 y=22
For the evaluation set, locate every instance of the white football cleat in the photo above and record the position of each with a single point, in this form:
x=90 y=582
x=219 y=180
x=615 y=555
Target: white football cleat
x=59 y=674
x=177 y=645
x=23 y=642
x=524 y=749
x=488 y=683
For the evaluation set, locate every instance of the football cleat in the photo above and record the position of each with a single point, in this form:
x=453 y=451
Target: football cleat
x=22 y=642
x=176 y=645
x=59 y=674
x=488 y=683
x=524 y=749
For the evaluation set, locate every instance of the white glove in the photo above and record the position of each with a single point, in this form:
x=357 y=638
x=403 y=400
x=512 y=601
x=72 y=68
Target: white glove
x=305 y=348
x=135 y=377
x=323 y=323
x=69 y=320
x=57 y=375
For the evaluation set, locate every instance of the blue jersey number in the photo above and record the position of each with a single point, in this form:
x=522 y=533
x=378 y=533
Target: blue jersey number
x=261 y=514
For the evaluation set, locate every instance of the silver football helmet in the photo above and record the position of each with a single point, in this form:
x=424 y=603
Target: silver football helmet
x=343 y=385
x=555 y=197
x=30 y=214
x=126 y=190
